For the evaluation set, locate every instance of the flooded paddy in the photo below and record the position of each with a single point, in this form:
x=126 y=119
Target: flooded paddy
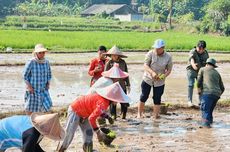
x=179 y=130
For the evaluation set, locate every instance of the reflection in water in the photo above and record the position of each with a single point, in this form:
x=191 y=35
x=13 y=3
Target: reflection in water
x=69 y=82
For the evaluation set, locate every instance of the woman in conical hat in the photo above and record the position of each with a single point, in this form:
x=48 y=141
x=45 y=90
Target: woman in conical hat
x=108 y=78
x=86 y=109
x=25 y=132
x=116 y=57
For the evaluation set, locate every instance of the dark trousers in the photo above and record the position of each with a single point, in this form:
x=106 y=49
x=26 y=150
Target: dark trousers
x=208 y=104
x=124 y=108
x=30 y=142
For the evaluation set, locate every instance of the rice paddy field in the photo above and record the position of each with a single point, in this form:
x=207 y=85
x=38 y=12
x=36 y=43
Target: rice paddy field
x=75 y=34
x=62 y=41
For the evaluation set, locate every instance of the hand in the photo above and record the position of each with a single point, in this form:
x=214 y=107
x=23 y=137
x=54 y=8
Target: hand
x=154 y=75
x=128 y=89
x=194 y=66
x=97 y=69
x=30 y=88
x=48 y=86
x=111 y=121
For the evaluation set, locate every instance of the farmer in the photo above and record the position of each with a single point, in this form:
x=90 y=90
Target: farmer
x=211 y=87
x=97 y=65
x=108 y=77
x=116 y=57
x=86 y=109
x=37 y=76
x=197 y=59
x=157 y=66
x=25 y=132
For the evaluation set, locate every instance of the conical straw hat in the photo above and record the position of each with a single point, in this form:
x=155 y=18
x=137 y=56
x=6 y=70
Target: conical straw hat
x=115 y=72
x=48 y=125
x=116 y=51
x=114 y=93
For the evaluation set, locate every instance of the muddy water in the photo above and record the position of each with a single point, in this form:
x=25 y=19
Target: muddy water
x=71 y=81
x=179 y=130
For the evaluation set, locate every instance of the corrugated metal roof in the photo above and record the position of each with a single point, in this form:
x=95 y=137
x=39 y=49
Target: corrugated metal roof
x=100 y=8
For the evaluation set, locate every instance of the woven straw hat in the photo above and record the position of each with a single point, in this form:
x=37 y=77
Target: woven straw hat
x=115 y=72
x=48 y=125
x=115 y=51
x=40 y=48
x=114 y=93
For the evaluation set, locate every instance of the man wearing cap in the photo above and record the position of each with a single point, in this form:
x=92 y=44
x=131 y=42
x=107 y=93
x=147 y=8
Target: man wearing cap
x=25 y=132
x=37 y=76
x=86 y=109
x=116 y=57
x=197 y=59
x=97 y=65
x=211 y=87
x=158 y=65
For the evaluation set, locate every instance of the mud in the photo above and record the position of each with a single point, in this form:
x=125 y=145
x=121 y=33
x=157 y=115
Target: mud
x=179 y=130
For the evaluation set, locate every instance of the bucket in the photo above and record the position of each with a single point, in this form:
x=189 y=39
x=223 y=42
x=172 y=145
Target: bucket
x=109 y=136
x=164 y=108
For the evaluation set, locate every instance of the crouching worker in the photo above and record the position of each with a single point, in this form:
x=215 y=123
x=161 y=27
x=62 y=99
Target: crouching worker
x=86 y=109
x=25 y=132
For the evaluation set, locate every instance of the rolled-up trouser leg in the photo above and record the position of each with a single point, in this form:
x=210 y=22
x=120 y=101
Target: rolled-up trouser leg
x=113 y=110
x=71 y=126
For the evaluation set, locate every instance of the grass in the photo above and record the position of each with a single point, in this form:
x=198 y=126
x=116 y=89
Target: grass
x=88 y=41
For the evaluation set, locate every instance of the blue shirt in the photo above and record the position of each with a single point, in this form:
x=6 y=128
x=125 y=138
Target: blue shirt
x=11 y=130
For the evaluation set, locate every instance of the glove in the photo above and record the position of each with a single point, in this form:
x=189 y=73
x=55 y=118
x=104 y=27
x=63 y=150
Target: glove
x=128 y=89
x=100 y=135
x=111 y=121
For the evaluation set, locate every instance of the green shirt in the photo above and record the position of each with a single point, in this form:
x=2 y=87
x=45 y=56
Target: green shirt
x=209 y=81
x=199 y=59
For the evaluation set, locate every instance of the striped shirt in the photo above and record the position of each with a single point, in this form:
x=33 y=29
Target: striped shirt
x=38 y=75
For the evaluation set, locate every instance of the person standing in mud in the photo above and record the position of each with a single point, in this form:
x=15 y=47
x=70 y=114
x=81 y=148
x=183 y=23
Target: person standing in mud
x=85 y=110
x=97 y=65
x=116 y=57
x=157 y=66
x=211 y=87
x=37 y=76
x=197 y=59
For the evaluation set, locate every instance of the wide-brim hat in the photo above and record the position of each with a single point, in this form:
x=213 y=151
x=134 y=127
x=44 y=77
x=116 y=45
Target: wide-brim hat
x=115 y=51
x=40 y=48
x=115 y=72
x=48 y=125
x=212 y=62
x=159 y=43
x=114 y=93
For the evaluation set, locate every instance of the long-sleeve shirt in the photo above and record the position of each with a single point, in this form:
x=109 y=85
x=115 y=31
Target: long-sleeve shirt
x=90 y=106
x=93 y=64
x=123 y=66
x=209 y=81
x=11 y=130
x=38 y=75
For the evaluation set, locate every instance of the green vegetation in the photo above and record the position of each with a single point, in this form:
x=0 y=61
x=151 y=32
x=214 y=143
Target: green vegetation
x=89 y=41
x=75 y=24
